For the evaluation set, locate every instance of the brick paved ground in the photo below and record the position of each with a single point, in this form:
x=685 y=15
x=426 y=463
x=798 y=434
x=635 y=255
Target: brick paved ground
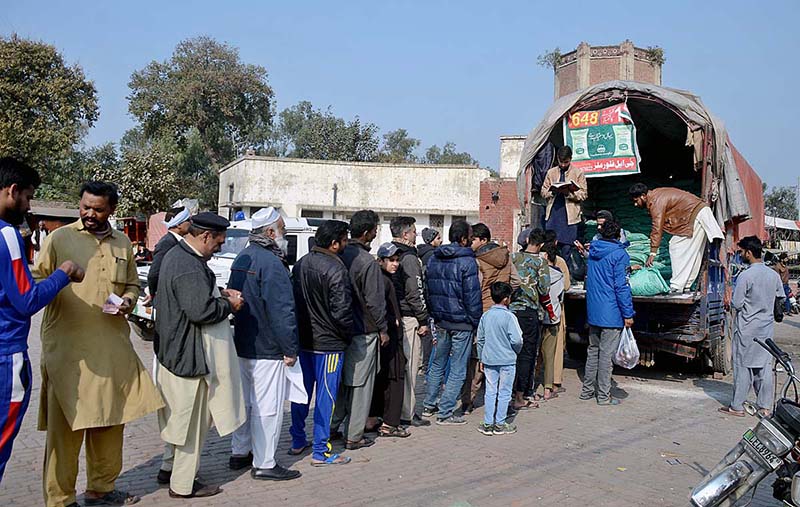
x=568 y=452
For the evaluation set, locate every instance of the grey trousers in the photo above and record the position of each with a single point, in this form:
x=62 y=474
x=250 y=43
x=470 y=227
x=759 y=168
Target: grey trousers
x=355 y=389
x=762 y=380
x=412 y=348
x=603 y=343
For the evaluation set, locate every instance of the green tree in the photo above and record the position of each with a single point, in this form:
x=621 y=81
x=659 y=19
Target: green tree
x=307 y=132
x=780 y=202
x=448 y=155
x=46 y=106
x=205 y=94
x=146 y=178
x=398 y=147
x=551 y=59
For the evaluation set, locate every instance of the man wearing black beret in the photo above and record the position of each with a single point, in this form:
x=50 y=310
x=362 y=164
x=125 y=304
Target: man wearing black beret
x=198 y=370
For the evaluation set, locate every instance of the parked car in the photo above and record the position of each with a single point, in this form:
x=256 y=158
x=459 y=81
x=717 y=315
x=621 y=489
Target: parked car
x=299 y=233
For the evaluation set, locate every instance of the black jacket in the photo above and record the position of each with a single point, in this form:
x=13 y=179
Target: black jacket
x=185 y=304
x=369 y=303
x=409 y=284
x=164 y=245
x=323 y=297
x=266 y=326
x=425 y=252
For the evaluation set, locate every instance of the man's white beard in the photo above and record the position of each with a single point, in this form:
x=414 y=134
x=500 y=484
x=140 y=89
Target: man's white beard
x=283 y=244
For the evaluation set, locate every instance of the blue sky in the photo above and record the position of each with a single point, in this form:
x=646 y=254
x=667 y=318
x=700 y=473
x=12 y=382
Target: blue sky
x=446 y=71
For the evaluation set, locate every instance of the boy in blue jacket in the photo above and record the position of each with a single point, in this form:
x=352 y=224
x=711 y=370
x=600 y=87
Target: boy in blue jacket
x=499 y=342
x=609 y=308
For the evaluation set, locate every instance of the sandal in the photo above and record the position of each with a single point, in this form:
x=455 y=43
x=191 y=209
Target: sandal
x=298 y=452
x=527 y=405
x=553 y=394
x=392 y=431
x=364 y=442
x=373 y=429
x=333 y=459
x=730 y=411
x=115 y=497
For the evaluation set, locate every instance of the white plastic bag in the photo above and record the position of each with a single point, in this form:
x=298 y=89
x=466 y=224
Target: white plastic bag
x=627 y=354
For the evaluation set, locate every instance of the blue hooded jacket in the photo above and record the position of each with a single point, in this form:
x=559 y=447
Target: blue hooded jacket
x=608 y=293
x=454 y=291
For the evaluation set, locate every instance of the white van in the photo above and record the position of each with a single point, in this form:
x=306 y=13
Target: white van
x=299 y=233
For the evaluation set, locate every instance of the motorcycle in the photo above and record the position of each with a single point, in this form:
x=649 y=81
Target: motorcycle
x=772 y=445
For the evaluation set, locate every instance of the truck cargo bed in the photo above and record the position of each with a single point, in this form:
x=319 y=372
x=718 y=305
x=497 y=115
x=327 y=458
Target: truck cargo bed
x=686 y=298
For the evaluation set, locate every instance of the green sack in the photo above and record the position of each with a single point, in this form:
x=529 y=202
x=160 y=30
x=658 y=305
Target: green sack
x=648 y=282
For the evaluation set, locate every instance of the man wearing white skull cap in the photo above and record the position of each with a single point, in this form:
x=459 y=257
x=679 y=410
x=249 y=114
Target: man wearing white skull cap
x=267 y=343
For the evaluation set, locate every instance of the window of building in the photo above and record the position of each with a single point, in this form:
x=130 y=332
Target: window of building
x=230 y=192
x=311 y=213
x=387 y=217
x=437 y=221
x=456 y=218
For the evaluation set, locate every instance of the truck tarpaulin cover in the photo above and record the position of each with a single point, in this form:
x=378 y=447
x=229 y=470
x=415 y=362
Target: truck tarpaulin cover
x=728 y=193
x=753 y=226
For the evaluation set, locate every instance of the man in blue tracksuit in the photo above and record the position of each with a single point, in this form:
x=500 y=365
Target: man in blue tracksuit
x=454 y=296
x=20 y=298
x=609 y=308
x=323 y=300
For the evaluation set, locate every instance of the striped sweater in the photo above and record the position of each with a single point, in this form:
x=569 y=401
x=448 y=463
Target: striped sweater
x=20 y=298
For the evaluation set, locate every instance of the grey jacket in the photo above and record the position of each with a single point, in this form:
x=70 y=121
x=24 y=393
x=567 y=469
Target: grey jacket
x=185 y=303
x=369 y=301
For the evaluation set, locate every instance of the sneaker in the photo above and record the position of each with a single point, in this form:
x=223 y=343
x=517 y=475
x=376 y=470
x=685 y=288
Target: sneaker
x=429 y=412
x=505 y=429
x=486 y=429
x=453 y=420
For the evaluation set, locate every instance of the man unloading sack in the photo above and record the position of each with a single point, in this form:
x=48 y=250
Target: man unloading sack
x=688 y=219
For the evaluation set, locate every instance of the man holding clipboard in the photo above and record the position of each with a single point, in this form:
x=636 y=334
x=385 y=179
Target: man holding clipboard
x=564 y=187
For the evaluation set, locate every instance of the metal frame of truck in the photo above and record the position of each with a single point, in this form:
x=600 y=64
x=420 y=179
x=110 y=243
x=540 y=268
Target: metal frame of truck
x=693 y=325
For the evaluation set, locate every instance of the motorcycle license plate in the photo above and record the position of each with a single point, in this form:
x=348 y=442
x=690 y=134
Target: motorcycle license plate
x=768 y=456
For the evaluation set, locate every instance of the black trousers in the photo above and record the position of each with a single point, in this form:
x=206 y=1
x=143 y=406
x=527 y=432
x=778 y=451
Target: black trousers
x=526 y=360
x=387 y=396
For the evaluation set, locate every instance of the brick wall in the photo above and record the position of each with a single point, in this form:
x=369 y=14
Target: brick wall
x=603 y=69
x=567 y=79
x=644 y=71
x=500 y=216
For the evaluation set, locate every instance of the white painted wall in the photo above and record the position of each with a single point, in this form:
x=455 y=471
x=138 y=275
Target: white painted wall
x=510 y=154
x=295 y=185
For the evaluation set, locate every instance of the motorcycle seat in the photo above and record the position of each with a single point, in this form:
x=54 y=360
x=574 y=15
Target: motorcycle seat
x=788 y=412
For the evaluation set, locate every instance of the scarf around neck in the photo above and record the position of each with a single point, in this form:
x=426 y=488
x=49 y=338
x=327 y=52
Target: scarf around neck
x=270 y=245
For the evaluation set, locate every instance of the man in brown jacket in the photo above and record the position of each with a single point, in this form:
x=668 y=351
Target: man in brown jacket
x=494 y=265
x=688 y=219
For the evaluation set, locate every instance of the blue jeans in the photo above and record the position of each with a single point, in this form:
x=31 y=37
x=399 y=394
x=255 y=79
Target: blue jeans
x=454 y=346
x=787 y=305
x=499 y=383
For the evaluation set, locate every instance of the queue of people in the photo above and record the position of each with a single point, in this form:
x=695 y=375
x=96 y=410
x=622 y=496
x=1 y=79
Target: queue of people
x=340 y=327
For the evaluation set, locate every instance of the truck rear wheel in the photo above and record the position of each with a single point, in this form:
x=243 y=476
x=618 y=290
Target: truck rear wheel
x=721 y=352
x=576 y=351
x=142 y=329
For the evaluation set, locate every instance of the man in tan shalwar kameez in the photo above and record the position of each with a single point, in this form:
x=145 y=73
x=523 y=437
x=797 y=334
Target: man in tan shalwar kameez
x=198 y=371
x=92 y=380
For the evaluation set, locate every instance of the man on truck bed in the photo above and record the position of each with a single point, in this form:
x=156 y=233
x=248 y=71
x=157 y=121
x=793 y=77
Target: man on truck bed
x=688 y=219
x=564 y=187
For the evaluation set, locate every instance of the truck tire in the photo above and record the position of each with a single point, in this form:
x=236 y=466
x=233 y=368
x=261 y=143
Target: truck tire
x=721 y=352
x=146 y=333
x=576 y=351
